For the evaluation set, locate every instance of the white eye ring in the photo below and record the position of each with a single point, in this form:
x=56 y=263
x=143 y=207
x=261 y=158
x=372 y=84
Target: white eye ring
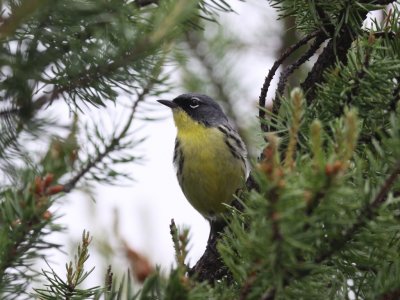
x=196 y=102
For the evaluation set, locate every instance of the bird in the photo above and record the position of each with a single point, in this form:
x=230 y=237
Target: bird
x=210 y=157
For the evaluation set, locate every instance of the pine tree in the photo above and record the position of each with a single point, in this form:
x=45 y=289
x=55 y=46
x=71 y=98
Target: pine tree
x=320 y=216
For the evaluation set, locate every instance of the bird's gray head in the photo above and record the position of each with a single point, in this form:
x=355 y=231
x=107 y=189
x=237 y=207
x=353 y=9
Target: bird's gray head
x=199 y=107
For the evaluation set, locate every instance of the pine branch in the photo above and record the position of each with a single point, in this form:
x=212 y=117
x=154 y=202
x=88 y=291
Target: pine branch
x=75 y=272
x=336 y=244
x=180 y=240
x=18 y=16
x=335 y=50
x=356 y=86
x=366 y=214
x=68 y=289
x=26 y=228
x=112 y=146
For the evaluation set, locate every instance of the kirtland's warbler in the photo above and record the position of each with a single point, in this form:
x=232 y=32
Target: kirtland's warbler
x=209 y=155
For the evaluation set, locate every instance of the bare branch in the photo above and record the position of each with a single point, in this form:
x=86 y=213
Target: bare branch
x=264 y=90
x=290 y=69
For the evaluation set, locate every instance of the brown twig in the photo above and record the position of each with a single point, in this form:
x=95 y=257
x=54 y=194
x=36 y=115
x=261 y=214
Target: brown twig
x=290 y=69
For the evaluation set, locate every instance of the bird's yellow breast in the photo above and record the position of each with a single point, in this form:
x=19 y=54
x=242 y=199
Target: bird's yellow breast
x=210 y=173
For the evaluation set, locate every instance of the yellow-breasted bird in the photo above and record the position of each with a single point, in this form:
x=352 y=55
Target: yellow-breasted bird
x=209 y=156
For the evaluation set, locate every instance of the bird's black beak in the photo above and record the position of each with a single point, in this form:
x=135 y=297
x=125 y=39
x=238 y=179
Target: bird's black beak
x=168 y=103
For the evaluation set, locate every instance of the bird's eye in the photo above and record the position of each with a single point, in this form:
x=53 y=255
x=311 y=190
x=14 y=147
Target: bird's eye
x=194 y=102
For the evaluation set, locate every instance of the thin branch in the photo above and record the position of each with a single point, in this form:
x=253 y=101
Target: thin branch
x=264 y=90
x=48 y=98
x=290 y=69
x=108 y=149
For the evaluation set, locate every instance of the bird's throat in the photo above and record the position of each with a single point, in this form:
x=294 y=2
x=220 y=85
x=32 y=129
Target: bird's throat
x=185 y=124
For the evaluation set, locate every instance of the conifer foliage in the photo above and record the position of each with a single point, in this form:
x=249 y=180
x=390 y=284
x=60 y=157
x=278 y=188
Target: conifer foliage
x=320 y=218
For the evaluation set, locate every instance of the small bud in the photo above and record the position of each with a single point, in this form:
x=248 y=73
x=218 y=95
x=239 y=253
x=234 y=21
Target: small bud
x=55 y=189
x=48 y=179
x=47 y=215
x=329 y=170
x=265 y=168
x=141 y=266
x=337 y=166
x=38 y=186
